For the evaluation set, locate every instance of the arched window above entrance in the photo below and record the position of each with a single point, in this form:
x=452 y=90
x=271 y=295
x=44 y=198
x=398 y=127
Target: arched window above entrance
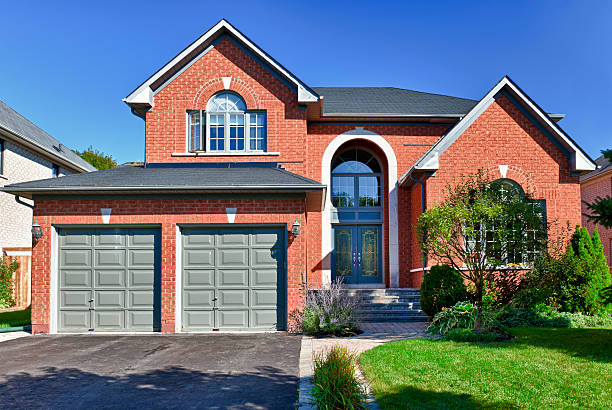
x=356 y=180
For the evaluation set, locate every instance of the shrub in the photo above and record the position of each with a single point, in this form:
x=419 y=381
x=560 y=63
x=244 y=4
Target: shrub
x=442 y=287
x=7 y=268
x=330 y=311
x=573 y=282
x=470 y=335
x=491 y=296
x=335 y=385
x=462 y=315
x=510 y=316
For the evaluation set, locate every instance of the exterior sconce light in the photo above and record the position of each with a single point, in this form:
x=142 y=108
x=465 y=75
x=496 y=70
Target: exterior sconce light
x=295 y=229
x=37 y=231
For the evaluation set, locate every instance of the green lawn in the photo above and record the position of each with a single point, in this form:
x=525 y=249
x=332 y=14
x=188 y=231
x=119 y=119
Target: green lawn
x=540 y=368
x=15 y=318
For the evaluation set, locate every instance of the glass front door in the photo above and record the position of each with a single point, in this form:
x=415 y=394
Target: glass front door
x=356 y=257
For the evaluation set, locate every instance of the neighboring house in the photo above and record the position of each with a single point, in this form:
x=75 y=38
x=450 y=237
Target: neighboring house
x=598 y=184
x=27 y=153
x=256 y=184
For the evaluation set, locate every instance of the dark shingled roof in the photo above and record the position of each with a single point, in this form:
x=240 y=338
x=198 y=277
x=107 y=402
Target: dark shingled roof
x=18 y=125
x=183 y=178
x=603 y=165
x=389 y=102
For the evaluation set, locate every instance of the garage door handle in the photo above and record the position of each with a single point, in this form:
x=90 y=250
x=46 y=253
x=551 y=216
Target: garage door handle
x=214 y=299
x=91 y=300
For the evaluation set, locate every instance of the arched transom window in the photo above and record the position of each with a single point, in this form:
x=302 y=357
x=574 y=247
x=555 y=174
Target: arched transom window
x=227 y=126
x=356 y=180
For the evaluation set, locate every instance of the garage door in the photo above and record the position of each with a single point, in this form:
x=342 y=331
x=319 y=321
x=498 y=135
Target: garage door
x=109 y=280
x=233 y=279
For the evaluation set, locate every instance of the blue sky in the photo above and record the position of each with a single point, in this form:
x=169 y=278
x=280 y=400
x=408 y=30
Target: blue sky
x=67 y=65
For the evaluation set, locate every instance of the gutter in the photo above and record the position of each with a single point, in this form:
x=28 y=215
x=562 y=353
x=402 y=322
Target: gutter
x=418 y=181
x=15 y=136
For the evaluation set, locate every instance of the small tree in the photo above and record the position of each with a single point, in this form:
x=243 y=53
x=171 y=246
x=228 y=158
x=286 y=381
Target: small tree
x=601 y=208
x=482 y=228
x=98 y=159
x=8 y=267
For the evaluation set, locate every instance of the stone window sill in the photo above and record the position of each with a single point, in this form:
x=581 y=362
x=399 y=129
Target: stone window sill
x=224 y=154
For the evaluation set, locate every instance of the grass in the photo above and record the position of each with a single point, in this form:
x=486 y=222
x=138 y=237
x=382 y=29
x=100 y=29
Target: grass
x=15 y=318
x=540 y=368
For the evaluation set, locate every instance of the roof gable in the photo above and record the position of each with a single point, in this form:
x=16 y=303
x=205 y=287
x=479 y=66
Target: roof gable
x=580 y=161
x=143 y=95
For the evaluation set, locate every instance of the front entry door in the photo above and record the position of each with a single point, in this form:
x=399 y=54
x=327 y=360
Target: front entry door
x=357 y=254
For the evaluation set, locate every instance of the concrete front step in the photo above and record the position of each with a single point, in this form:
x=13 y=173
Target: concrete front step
x=388 y=305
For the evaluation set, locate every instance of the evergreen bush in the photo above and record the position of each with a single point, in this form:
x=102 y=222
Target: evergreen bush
x=442 y=287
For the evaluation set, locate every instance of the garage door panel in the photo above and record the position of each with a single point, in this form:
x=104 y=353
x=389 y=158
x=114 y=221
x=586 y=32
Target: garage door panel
x=75 y=320
x=117 y=269
x=263 y=298
x=142 y=239
x=198 y=320
x=140 y=299
x=75 y=258
x=199 y=238
x=199 y=298
x=109 y=258
x=232 y=239
x=109 y=320
x=75 y=238
x=264 y=277
x=233 y=298
x=75 y=299
x=266 y=257
x=109 y=278
x=266 y=239
x=141 y=278
x=201 y=278
x=141 y=258
x=75 y=278
x=105 y=299
x=233 y=319
x=233 y=257
x=140 y=320
x=233 y=277
x=109 y=238
x=264 y=318
x=200 y=258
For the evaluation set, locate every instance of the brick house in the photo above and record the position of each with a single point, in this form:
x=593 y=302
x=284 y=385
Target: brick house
x=595 y=184
x=27 y=153
x=256 y=184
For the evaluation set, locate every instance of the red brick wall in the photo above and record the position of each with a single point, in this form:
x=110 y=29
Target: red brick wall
x=167 y=213
x=598 y=186
x=166 y=123
x=502 y=135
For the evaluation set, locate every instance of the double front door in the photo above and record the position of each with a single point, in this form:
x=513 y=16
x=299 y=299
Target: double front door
x=357 y=254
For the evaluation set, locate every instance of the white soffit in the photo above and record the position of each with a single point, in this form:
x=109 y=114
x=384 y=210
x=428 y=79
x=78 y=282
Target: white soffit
x=144 y=95
x=580 y=162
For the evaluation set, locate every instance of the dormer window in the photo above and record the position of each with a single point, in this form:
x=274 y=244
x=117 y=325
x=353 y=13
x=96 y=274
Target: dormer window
x=227 y=126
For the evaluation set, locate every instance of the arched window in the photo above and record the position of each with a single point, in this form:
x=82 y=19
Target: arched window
x=356 y=180
x=486 y=240
x=227 y=125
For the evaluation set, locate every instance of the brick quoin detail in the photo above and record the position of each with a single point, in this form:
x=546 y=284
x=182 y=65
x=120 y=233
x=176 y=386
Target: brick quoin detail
x=168 y=214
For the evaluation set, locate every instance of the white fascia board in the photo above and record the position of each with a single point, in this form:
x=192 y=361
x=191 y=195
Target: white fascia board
x=142 y=96
x=579 y=161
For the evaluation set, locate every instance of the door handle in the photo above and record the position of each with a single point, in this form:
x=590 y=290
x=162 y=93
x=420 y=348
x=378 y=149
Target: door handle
x=359 y=257
x=353 y=258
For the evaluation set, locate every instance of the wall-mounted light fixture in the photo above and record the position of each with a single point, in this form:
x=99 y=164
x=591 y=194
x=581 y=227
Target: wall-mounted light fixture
x=37 y=231
x=295 y=229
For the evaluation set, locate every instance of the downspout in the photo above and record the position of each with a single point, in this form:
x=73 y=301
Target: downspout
x=422 y=184
x=20 y=201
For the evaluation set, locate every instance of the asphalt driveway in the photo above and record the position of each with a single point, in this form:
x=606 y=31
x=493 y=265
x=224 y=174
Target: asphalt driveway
x=254 y=371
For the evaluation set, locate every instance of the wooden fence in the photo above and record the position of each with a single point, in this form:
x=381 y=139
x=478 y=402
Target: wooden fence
x=23 y=275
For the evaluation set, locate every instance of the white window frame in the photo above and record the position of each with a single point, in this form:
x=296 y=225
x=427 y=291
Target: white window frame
x=205 y=133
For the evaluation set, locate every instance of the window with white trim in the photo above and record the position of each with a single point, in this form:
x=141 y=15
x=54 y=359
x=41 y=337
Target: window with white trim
x=226 y=126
